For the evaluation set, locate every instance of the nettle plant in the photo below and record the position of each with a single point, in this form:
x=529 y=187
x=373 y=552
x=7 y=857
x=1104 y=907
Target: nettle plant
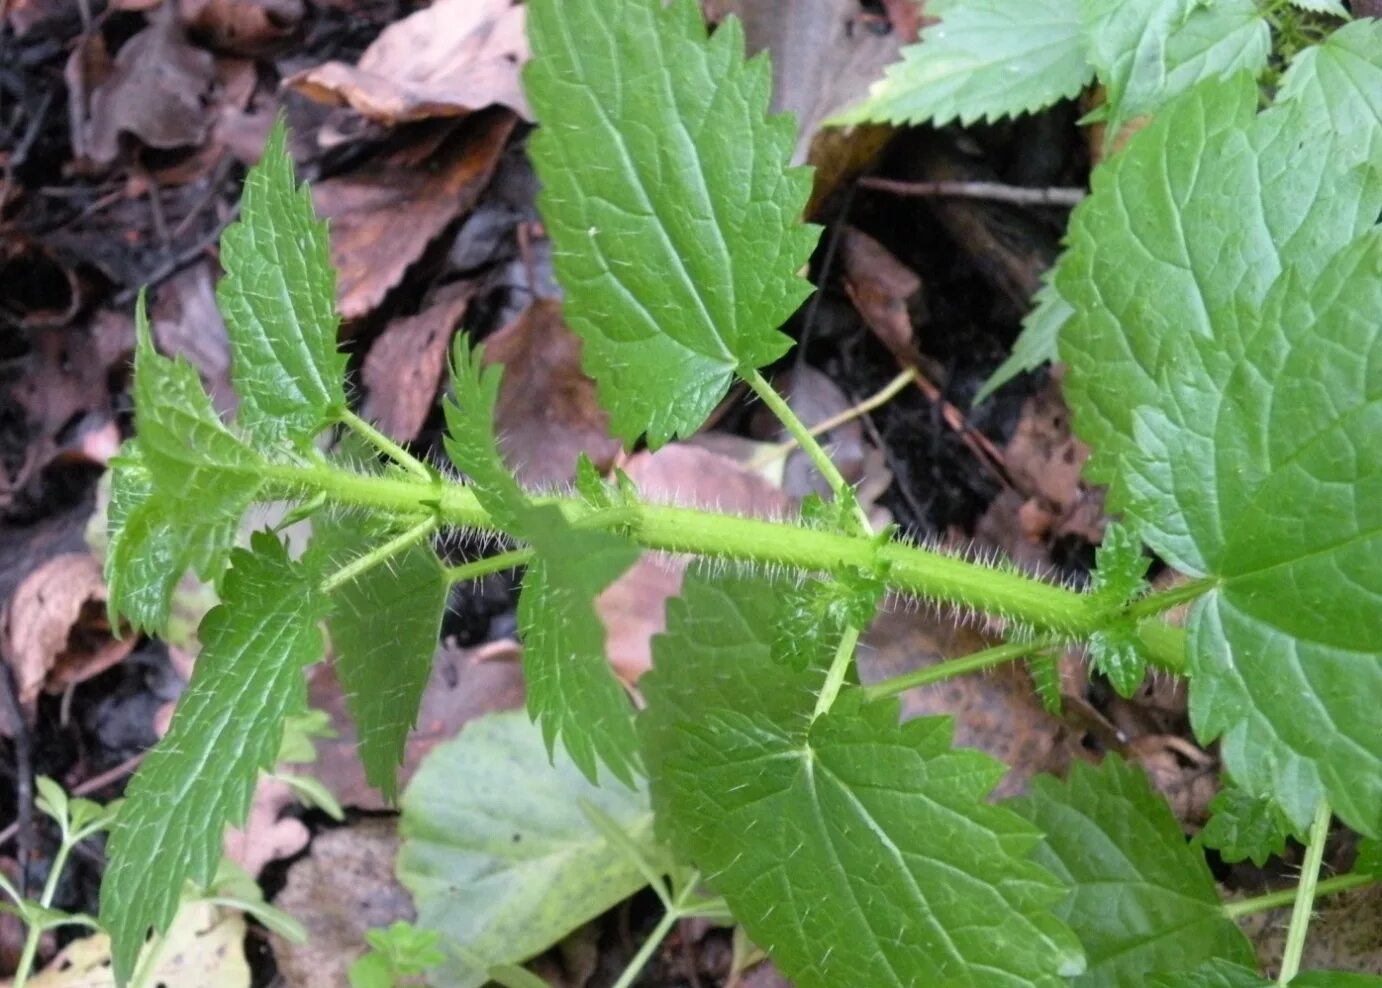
x=1220 y=307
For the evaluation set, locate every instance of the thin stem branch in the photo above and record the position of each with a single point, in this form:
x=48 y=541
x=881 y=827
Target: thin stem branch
x=379 y=554
x=659 y=933
x=1284 y=897
x=993 y=191
x=878 y=399
x=1165 y=600
x=385 y=445
x=1305 y=896
x=835 y=678
x=984 y=659
x=822 y=461
x=512 y=559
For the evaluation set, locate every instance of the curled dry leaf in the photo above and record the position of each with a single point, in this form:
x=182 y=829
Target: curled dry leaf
x=242 y=27
x=404 y=368
x=882 y=288
x=449 y=59
x=385 y=214
x=55 y=629
x=547 y=414
x=633 y=608
x=156 y=92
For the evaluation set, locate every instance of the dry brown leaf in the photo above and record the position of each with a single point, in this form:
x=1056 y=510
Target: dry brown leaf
x=156 y=91
x=1345 y=934
x=997 y=712
x=465 y=684
x=385 y=214
x=449 y=59
x=881 y=288
x=55 y=629
x=403 y=368
x=633 y=607
x=242 y=27
x=186 y=322
x=547 y=414
x=267 y=835
x=344 y=887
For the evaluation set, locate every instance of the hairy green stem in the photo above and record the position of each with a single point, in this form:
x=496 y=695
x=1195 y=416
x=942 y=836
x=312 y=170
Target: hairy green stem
x=385 y=445
x=1305 y=895
x=835 y=677
x=822 y=461
x=512 y=559
x=983 y=659
x=379 y=554
x=906 y=568
x=1284 y=897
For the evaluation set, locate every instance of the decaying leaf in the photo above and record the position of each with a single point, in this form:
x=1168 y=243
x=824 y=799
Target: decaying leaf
x=547 y=414
x=384 y=214
x=446 y=60
x=880 y=286
x=55 y=629
x=243 y=27
x=404 y=367
x=267 y=835
x=155 y=91
x=205 y=947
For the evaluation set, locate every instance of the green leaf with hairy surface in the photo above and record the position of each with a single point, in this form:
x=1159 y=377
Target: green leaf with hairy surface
x=497 y=853
x=1214 y=974
x=278 y=299
x=986 y=59
x=854 y=850
x=667 y=194
x=178 y=492
x=1219 y=364
x=384 y=626
x=227 y=729
x=1147 y=52
x=1037 y=343
x=1335 y=7
x=1116 y=650
x=1244 y=826
x=572 y=692
x=1143 y=901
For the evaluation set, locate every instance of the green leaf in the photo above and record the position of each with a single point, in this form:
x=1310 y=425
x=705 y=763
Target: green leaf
x=497 y=854
x=1037 y=343
x=384 y=627
x=227 y=728
x=672 y=209
x=279 y=302
x=1215 y=974
x=1340 y=82
x=1147 y=52
x=1334 y=7
x=1143 y=901
x=1244 y=826
x=986 y=59
x=572 y=692
x=1208 y=315
x=1335 y=979
x=854 y=850
x=1120 y=566
x=1369 y=857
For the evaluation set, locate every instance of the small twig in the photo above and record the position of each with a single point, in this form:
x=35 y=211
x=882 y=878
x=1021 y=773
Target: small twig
x=994 y=191
x=24 y=774
x=177 y=262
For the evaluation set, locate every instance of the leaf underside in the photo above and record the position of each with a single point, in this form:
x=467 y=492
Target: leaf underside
x=227 y=729
x=854 y=850
x=1226 y=276
x=497 y=853
x=670 y=204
